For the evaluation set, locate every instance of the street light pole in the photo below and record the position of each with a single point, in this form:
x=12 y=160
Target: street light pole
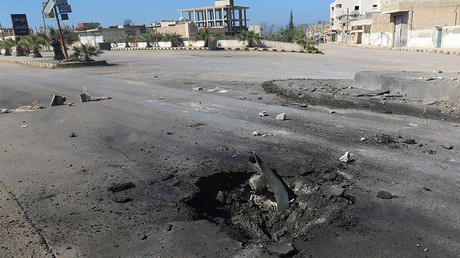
x=156 y=32
x=3 y=33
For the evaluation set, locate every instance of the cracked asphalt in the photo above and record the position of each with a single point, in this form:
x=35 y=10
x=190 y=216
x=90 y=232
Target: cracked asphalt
x=164 y=136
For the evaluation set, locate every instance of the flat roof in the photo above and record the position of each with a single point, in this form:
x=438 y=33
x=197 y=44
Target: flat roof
x=212 y=7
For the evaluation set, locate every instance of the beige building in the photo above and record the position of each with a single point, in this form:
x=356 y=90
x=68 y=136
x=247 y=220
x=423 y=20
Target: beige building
x=417 y=23
x=223 y=17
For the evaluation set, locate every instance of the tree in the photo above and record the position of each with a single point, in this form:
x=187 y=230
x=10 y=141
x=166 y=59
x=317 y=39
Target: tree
x=306 y=42
x=34 y=42
x=149 y=38
x=68 y=36
x=174 y=38
x=127 y=39
x=7 y=44
x=250 y=37
x=17 y=42
x=206 y=35
x=85 y=52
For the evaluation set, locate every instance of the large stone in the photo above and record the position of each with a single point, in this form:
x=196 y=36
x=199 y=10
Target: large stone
x=346 y=157
x=257 y=183
x=57 y=100
x=282 y=249
x=281 y=116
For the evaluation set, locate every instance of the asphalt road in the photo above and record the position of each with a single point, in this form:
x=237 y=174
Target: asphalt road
x=163 y=136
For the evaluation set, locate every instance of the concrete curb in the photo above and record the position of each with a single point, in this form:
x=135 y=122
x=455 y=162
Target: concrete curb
x=28 y=62
x=227 y=49
x=419 y=50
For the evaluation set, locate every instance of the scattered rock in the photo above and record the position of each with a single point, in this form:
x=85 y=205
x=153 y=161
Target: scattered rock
x=257 y=183
x=384 y=138
x=448 y=147
x=155 y=76
x=70 y=104
x=410 y=141
x=263 y=113
x=84 y=98
x=425 y=250
x=197 y=88
x=121 y=187
x=24 y=126
x=282 y=249
x=168 y=227
x=384 y=195
x=281 y=116
x=256 y=133
x=363 y=139
x=57 y=100
x=122 y=199
x=332 y=112
x=36 y=105
x=437 y=71
x=73 y=135
x=3 y=111
x=431 y=152
x=334 y=190
x=346 y=157
x=213 y=90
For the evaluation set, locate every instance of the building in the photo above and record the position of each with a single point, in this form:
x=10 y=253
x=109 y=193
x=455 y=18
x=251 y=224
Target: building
x=113 y=33
x=185 y=29
x=223 y=17
x=417 y=23
x=396 y=23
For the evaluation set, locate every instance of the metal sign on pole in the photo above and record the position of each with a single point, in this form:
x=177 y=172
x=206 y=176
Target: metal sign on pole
x=61 y=2
x=48 y=15
x=20 y=25
x=49 y=6
x=65 y=9
x=64 y=17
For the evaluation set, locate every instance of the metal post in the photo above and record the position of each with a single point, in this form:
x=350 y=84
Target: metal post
x=348 y=20
x=135 y=36
x=156 y=32
x=60 y=32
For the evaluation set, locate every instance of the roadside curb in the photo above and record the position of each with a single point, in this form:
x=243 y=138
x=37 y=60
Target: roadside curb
x=29 y=63
x=226 y=49
x=419 y=50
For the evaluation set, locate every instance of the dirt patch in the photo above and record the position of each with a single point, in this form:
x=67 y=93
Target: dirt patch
x=248 y=212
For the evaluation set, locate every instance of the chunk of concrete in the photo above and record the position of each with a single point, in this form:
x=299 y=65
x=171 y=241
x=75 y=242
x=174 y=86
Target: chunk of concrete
x=3 y=111
x=346 y=158
x=281 y=117
x=57 y=100
x=282 y=249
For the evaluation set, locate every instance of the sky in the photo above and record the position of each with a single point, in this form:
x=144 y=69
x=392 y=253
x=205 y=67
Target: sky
x=114 y=12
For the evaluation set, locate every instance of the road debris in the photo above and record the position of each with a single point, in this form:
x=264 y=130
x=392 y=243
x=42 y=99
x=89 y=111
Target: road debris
x=70 y=104
x=197 y=88
x=57 y=100
x=277 y=187
x=282 y=249
x=73 y=135
x=35 y=106
x=281 y=117
x=213 y=90
x=257 y=183
x=24 y=126
x=346 y=158
x=122 y=199
x=410 y=141
x=256 y=133
x=384 y=195
x=448 y=147
x=3 y=111
x=263 y=113
x=363 y=139
x=155 y=76
x=332 y=112
x=85 y=97
x=121 y=187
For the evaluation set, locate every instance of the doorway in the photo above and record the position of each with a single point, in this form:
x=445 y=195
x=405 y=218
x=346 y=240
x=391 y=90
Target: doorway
x=401 y=30
x=439 y=40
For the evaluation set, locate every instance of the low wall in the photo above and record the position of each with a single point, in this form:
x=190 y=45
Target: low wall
x=281 y=45
x=383 y=39
x=421 y=38
x=451 y=37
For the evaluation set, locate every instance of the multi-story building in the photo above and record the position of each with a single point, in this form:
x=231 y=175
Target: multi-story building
x=344 y=12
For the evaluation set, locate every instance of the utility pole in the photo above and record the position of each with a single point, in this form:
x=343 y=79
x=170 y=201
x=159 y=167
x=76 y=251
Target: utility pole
x=348 y=20
x=341 y=24
x=156 y=32
x=60 y=32
x=135 y=36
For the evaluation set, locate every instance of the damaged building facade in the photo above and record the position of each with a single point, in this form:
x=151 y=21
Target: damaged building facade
x=399 y=23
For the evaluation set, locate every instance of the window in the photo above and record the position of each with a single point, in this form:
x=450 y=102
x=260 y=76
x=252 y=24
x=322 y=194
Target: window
x=339 y=5
x=374 y=6
x=357 y=8
x=333 y=8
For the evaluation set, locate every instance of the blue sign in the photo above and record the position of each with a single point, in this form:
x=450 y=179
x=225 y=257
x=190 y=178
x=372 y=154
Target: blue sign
x=64 y=17
x=61 y=2
x=64 y=9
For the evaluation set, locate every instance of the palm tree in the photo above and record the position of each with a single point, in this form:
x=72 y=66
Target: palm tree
x=250 y=37
x=17 y=42
x=306 y=42
x=85 y=52
x=206 y=35
x=69 y=37
x=149 y=38
x=127 y=39
x=174 y=38
x=34 y=42
x=7 y=44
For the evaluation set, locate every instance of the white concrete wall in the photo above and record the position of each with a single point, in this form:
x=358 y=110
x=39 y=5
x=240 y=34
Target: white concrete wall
x=451 y=37
x=383 y=39
x=368 y=6
x=282 y=45
x=230 y=43
x=421 y=38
